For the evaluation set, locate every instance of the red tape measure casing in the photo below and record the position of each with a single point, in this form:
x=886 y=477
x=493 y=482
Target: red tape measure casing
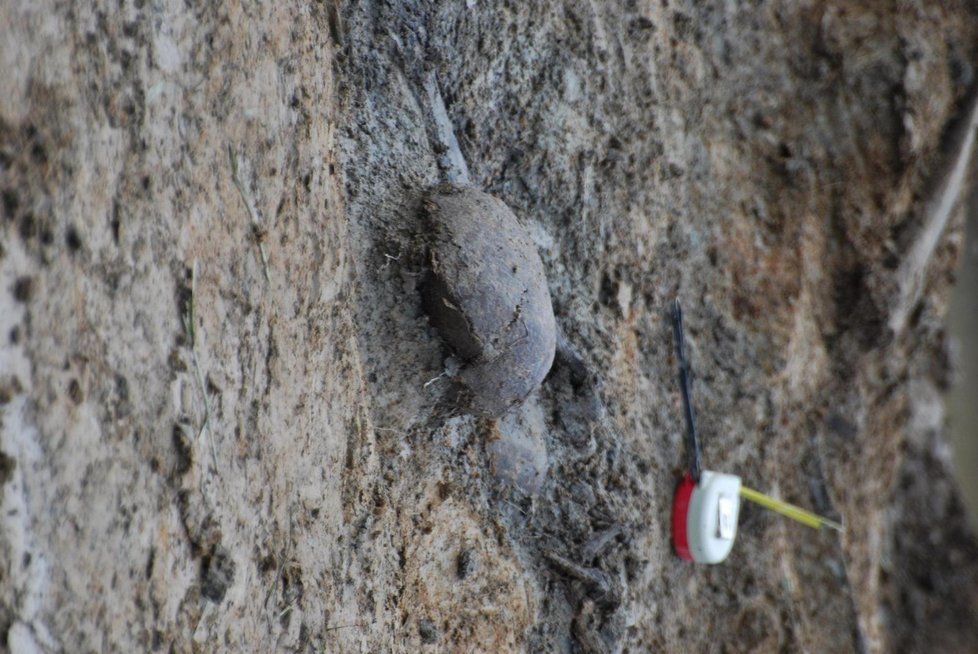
x=680 y=511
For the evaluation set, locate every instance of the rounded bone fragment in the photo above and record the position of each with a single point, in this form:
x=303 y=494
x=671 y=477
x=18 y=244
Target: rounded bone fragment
x=519 y=450
x=487 y=296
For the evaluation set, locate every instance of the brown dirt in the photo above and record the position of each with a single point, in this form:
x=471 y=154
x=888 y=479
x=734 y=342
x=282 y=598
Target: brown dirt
x=217 y=431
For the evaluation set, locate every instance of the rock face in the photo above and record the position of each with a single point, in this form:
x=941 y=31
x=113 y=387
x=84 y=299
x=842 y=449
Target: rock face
x=217 y=427
x=487 y=295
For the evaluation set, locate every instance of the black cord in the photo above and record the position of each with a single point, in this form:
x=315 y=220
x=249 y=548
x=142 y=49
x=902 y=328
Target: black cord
x=692 y=445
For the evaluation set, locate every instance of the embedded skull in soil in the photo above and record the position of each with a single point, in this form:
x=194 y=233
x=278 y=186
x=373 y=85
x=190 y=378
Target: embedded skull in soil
x=487 y=295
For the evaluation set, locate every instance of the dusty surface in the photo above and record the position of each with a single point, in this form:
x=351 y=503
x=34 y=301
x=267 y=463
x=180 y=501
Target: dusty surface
x=218 y=427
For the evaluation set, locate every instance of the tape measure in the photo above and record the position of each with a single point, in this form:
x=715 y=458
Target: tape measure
x=706 y=506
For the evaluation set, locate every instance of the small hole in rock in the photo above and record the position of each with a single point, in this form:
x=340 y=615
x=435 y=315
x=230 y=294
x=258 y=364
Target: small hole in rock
x=10 y=203
x=75 y=391
x=23 y=289
x=27 y=227
x=72 y=239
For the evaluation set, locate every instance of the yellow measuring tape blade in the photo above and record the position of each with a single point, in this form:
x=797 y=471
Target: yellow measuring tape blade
x=788 y=510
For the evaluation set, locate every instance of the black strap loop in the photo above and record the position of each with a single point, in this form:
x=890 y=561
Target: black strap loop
x=692 y=444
